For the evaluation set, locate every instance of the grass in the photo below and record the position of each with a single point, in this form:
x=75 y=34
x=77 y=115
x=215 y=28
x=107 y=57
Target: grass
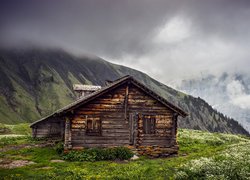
x=199 y=152
x=53 y=92
x=7 y=115
x=26 y=103
x=18 y=129
x=15 y=140
x=22 y=128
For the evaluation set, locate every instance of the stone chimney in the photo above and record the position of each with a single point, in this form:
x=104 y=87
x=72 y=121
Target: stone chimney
x=84 y=90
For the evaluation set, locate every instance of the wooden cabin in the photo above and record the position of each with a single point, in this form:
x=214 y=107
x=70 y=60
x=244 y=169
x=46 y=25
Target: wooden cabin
x=124 y=113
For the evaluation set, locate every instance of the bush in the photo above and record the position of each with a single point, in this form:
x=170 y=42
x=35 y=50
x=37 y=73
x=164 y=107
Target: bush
x=98 y=154
x=123 y=153
x=59 y=148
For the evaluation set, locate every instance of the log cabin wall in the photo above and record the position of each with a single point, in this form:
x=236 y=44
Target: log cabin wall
x=51 y=128
x=108 y=110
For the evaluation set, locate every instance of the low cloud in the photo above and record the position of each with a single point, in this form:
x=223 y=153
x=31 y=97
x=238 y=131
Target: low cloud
x=169 y=40
x=238 y=95
x=174 y=31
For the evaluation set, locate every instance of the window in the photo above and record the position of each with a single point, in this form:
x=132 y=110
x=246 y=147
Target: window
x=93 y=127
x=148 y=124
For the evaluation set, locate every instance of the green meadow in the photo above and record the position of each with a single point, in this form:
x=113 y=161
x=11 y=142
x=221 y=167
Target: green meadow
x=202 y=155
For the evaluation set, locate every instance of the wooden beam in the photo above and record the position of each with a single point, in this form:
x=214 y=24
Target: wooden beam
x=126 y=103
x=62 y=125
x=67 y=137
x=34 y=131
x=131 y=125
x=174 y=128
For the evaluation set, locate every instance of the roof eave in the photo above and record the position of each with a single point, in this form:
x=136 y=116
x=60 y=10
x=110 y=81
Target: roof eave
x=42 y=119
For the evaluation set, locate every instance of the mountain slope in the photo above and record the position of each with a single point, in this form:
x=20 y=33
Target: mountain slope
x=36 y=82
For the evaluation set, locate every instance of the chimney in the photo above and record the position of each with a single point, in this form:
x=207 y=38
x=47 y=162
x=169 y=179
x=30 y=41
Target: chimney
x=84 y=90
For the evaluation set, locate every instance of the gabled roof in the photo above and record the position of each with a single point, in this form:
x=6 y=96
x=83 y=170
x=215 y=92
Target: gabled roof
x=111 y=86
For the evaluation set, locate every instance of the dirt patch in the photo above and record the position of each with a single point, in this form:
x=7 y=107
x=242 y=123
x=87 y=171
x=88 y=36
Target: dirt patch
x=8 y=164
x=57 y=160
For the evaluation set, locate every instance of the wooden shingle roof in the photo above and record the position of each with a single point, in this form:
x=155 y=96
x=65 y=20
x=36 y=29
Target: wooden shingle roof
x=111 y=86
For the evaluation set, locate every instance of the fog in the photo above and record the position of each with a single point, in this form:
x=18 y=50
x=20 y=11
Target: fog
x=169 y=40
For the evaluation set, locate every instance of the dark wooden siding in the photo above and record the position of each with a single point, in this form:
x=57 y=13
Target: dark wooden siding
x=52 y=128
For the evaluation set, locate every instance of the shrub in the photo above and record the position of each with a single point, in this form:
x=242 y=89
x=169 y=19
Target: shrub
x=123 y=153
x=59 y=148
x=98 y=154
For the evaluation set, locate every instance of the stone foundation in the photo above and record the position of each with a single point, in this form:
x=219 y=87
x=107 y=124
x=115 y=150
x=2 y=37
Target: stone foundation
x=155 y=151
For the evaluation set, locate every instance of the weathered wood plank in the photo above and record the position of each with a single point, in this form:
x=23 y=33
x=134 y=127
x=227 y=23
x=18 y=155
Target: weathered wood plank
x=114 y=126
x=115 y=134
x=98 y=145
x=115 y=122
x=97 y=138
x=91 y=141
x=115 y=130
x=143 y=106
x=168 y=136
x=85 y=110
x=104 y=106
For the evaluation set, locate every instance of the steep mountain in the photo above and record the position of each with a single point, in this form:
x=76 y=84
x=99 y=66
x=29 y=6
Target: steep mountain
x=228 y=93
x=36 y=82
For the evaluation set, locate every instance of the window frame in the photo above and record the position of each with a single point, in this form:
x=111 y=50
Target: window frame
x=95 y=126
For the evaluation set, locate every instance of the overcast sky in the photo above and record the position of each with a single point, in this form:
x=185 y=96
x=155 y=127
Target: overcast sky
x=168 y=39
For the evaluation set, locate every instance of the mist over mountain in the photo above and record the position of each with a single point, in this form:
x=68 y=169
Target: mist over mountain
x=166 y=39
x=228 y=93
x=36 y=82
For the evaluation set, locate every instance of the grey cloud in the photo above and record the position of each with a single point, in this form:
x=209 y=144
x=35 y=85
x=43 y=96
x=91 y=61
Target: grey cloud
x=124 y=31
x=102 y=27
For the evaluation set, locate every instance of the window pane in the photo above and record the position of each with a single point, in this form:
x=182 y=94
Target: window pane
x=149 y=124
x=152 y=123
x=93 y=127
x=89 y=124
x=144 y=126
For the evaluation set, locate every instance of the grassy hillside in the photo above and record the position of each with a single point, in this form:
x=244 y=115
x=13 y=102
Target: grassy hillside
x=34 y=83
x=202 y=155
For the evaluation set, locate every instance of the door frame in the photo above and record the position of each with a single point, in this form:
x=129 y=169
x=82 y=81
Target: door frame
x=133 y=128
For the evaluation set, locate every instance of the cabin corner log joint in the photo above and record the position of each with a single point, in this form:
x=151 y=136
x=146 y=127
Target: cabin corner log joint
x=124 y=113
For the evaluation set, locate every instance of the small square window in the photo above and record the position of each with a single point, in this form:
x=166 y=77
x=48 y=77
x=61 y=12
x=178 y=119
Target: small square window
x=149 y=124
x=93 y=127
